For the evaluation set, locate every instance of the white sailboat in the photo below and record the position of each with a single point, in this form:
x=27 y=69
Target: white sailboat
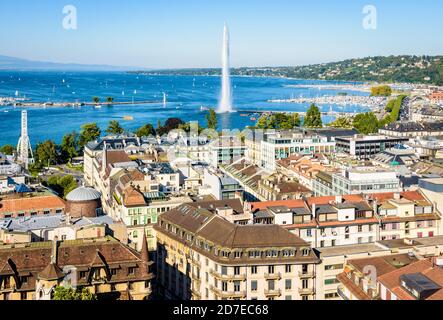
x=164 y=100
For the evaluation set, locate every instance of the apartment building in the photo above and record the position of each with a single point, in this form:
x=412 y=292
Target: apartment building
x=422 y=280
x=304 y=168
x=359 y=280
x=334 y=261
x=352 y=219
x=412 y=129
x=94 y=149
x=220 y=185
x=322 y=221
x=201 y=256
x=358 y=180
x=282 y=145
x=406 y=215
x=31 y=205
x=226 y=150
x=364 y=146
x=137 y=201
x=104 y=266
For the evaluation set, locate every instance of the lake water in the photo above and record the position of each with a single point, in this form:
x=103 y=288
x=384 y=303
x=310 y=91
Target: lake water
x=185 y=96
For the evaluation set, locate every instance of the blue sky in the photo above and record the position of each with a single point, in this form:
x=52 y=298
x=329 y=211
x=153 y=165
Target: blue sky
x=187 y=33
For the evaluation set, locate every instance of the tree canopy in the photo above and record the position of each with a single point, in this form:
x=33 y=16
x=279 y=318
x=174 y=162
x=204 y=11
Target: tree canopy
x=62 y=293
x=280 y=121
x=381 y=91
x=114 y=127
x=145 y=131
x=170 y=124
x=366 y=123
x=313 y=117
x=89 y=132
x=61 y=184
x=212 y=120
x=69 y=146
x=7 y=149
x=46 y=153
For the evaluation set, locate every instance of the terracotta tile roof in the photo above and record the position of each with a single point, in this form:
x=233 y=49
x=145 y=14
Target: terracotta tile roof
x=133 y=197
x=118 y=156
x=409 y=195
x=255 y=206
x=327 y=200
x=31 y=204
x=392 y=280
x=352 y=287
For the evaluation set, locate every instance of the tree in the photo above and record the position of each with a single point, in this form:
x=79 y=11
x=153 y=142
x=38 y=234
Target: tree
x=263 y=122
x=145 y=131
x=46 y=153
x=69 y=146
x=381 y=91
x=170 y=124
x=96 y=99
x=366 y=123
x=89 y=132
x=7 y=149
x=63 y=185
x=313 y=117
x=62 y=293
x=114 y=127
x=212 y=120
x=110 y=99
x=342 y=122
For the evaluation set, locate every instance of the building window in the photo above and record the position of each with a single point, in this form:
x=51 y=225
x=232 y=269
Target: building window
x=237 y=271
x=224 y=271
x=254 y=286
x=113 y=272
x=271 y=269
x=224 y=286
x=131 y=271
x=271 y=285
x=236 y=286
x=288 y=297
x=254 y=270
x=288 y=268
x=288 y=284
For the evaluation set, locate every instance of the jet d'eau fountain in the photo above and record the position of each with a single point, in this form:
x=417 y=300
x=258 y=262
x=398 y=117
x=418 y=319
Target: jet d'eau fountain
x=225 y=104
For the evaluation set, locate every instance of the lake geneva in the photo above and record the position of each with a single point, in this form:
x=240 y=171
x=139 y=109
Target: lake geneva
x=187 y=98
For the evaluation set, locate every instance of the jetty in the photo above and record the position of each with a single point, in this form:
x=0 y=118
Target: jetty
x=79 y=104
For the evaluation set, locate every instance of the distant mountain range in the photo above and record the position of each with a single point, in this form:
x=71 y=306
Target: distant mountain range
x=11 y=63
x=411 y=69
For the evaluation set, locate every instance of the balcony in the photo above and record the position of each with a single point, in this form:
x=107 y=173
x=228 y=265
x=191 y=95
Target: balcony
x=273 y=293
x=306 y=275
x=306 y=291
x=196 y=295
x=228 y=294
x=273 y=276
x=225 y=277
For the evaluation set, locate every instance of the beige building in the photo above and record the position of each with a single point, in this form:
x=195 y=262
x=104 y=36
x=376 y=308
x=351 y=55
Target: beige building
x=334 y=260
x=104 y=266
x=201 y=256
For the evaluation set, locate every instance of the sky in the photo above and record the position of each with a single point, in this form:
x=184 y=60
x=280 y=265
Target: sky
x=188 y=33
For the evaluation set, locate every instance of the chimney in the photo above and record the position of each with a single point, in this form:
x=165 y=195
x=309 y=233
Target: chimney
x=54 y=250
x=439 y=261
x=338 y=199
x=314 y=210
x=397 y=196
